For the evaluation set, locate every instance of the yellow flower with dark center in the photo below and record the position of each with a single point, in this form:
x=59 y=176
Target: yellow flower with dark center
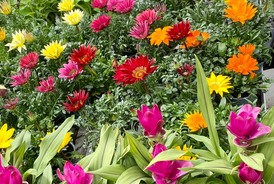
x=194 y=121
x=53 y=50
x=66 y=5
x=73 y=17
x=18 y=41
x=247 y=49
x=5 y=138
x=65 y=142
x=186 y=149
x=5 y=7
x=160 y=36
x=220 y=84
x=2 y=34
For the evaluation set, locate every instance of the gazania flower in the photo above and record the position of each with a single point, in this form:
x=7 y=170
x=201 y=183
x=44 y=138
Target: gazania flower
x=194 y=121
x=124 y=6
x=100 y=23
x=65 y=142
x=73 y=17
x=2 y=34
x=247 y=49
x=28 y=36
x=140 y=30
x=148 y=15
x=5 y=7
x=111 y=4
x=233 y=2
x=185 y=148
x=5 y=138
x=220 y=84
x=179 y=31
x=11 y=104
x=70 y=70
x=46 y=85
x=195 y=39
x=185 y=70
x=66 y=5
x=160 y=36
x=53 y=50
x=84 y=55
x=29 y=61
x=77 y=101
x=18 y=41
x=99 y=3
x=21 y=78
x=242 y=64
x=134 y=70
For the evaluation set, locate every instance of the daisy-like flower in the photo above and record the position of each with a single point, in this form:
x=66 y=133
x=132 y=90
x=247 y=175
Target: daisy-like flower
x=77 y=101
x=148 y=15
x=124 y=6
x=134 y=70
x=28 y=36
x=160 y=36
x=220 y=84
x=84 y=55
x=65 y=142
x=111 y=4
x=233 y=2
x=179 y=31
x=186 y=149
x=242 y=64
x=5 y=138
x=100 y=23
x=73 y=17
x=195 y=39
x=185 y=70
x=29 y=61
x=247 y=49
x=53 y=50
x=21 y=78
x=66 y=5
x=140 y=30
x=240 y=11
x=18 y=41
x=2 y=34
x=11 y=104
x=70 y=71
x=5 y=7
x=99 y=3
x=194 y=121
x=46 y=85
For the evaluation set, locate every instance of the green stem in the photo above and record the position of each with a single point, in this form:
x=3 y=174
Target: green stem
x=90 y=70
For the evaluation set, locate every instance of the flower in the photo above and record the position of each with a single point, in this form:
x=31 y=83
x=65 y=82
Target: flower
x=5 y=7
x=194 y=121
x=20 y=78
x=148 y=15
x=18 y=41
x=53 y=50
x=247 y=49
x=139 y=30
x=99 y=3
x=73 y=17
x=179 y=31
x=46 y=85
x=242 y=64
x=77 y=101
x=11 y=104
x=84 y=55
x=100 y=23
x=185 y=70
x=134 y=70
x=28 y=36
x=29 y=61
x=124 y=6
x=195 y=39
x=240 y=11
x=249 y=175
x=111 y=4
x=70 y=70
x=74 y=174
x=2 y=34
x=245 y=127
x=151 y=120
x=5 y=138
x=233 y=2
x=220 y=84
x=65 y=141
x=187 y=149
x=66 y=5
x=160 y=36
x=164 y=172
x=9 y=174
x=3 y=91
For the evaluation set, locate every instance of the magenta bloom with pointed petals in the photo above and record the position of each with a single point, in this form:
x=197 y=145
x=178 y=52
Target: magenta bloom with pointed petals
x=11 y=104
x=100 y=23
x=21 y=78
x=140 y=30
x=99 y=3
x=29 y=61
x=148 y=15
x=249 y=175
x=46 y=85
x=124 y=6
x=74 y=174
x=70 y=70
x=9 y=174
x=112 y=4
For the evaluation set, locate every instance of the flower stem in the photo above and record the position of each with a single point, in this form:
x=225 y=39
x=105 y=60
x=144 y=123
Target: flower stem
x=90 y=70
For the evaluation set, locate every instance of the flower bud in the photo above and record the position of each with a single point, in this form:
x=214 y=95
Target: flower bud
x=249 y=175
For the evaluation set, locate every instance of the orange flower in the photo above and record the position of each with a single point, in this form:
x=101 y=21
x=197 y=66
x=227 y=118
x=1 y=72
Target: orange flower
x=194 y=121
x=242 y=64
x=233 y=2
x=247 y=49
x=197 y=38
x=160 y=36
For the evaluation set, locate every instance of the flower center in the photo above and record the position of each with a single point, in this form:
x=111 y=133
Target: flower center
x=215 y=86
x=72 y=72
x=139 y=72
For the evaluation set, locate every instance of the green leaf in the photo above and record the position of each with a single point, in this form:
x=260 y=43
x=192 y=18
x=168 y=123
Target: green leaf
x=254 y=161
x=110 y=172
x=261 y=140
x=29 y=172
x=133 y=175
x=204 y=140
x=86 y=162
x=47 y=177
x=204 y=154
x=197 y=181
x=18 y=155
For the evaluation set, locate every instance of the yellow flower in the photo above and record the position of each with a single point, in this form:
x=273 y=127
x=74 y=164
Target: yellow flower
x=73 y=17
x=53 y=50
x=247 y=49
x=18 y=41
x=5 y=7
x=220 y=84
x=65 y=142
x=5 y=138
x=2 y=34
x=186 y=149
x=66 y=5
x=194 y=121
x=160 y=35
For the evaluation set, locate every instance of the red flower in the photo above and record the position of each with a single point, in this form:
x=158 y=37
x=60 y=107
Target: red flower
x=134 y=70
x=179 y=31
x=46 y=85
x=100 y=23
x=77 y=101
x=29 y=61
x=185 y=70
x=84 y=55
x=99 y=3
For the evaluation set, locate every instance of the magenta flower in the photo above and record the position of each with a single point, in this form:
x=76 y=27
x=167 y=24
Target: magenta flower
x=245 y=127
x=124 y=6
x=70 y=70
x=46 y=85
x=9 y=174
x=21 y=78
x=100 y=23
x=29 y=61
x=249 y=175
x=99 y=3
x=74 y=174
x=151 y=120
x=112 y=4
x=140 y=30
x=11 y=104
x=167 y=172
x=148 y=15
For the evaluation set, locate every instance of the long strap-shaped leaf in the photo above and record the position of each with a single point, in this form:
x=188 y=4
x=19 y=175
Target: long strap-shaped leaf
x=133 y=175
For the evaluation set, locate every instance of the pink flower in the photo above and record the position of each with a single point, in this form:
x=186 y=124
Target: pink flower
x=249 y=175
x=112 y=4
x=140 y=30
x=100 y=23
x=124 y=6
x=99 y=3
x=29 y=61
x=11 y=104
x=9 y=174
x=46 y=85
x=74 y=174
x=70 y=70
x=21 y=78
x=148 y=15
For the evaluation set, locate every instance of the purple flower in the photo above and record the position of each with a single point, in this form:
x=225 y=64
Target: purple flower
x=9 y=174
x=249 y=175
x=167 y=172
x=74 y=174
x=151 y=120
x=245 y=127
